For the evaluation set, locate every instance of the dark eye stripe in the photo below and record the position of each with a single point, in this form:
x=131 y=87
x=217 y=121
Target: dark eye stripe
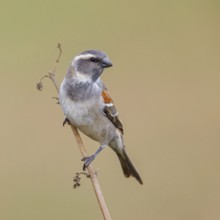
x=93 y=59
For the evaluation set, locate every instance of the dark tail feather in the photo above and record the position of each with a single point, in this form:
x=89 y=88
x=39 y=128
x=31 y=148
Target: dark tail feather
x=127 y=167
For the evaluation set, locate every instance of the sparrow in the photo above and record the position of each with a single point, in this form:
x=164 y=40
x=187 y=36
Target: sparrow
x=88 y=106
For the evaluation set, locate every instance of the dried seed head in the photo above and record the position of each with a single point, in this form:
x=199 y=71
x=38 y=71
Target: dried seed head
x=39 y=86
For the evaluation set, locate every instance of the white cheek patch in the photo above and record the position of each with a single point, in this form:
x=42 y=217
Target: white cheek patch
x=80 y=76
x=83 y=77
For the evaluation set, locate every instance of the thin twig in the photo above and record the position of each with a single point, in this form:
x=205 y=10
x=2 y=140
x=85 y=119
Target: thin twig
x=93 y=176
x=60 y=52
x=91 y=170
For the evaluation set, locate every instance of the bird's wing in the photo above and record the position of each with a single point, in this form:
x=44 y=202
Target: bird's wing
x=110 y=110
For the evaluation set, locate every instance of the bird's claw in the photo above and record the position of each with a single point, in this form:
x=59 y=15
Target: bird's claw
x=66 y=121
x=87 y=161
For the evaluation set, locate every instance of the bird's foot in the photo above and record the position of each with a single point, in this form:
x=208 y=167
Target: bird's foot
x=66 y=121
x=87 y=161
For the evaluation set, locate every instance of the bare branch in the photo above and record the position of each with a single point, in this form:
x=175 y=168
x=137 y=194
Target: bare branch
x=92 y=173
x=60 y=52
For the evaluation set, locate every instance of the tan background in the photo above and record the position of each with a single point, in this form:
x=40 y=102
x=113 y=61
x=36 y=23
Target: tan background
x=165 y=83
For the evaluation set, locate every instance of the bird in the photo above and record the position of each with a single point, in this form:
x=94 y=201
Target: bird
x=88 y=106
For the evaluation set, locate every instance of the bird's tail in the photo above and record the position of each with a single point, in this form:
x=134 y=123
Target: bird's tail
x=127 y=166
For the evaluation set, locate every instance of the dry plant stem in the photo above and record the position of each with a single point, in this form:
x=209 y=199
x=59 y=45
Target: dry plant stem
x=93 y=176
x=92 y=173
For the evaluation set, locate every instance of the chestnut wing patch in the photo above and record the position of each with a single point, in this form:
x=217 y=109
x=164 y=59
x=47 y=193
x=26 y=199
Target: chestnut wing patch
x=110 y=110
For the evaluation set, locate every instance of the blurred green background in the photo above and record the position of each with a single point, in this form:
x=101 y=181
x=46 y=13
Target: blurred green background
x=165 y=83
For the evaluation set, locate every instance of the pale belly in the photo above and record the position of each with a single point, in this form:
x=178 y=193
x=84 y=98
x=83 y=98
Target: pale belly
x=89 y=119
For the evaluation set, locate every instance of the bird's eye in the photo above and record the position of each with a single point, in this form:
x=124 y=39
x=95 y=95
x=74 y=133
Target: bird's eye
x=93 y=59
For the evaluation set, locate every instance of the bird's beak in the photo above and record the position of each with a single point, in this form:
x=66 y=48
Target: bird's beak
x=106 y=62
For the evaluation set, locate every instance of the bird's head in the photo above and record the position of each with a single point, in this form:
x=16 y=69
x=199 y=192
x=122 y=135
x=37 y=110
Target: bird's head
x=90 y=64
